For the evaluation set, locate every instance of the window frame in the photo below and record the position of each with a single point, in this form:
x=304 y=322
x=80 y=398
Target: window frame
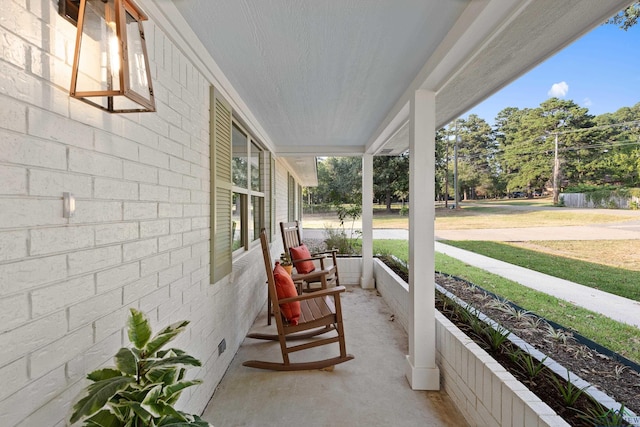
x=247 y=194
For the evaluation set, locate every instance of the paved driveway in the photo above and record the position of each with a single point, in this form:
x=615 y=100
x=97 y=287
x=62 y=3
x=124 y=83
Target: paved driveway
x=629 y=229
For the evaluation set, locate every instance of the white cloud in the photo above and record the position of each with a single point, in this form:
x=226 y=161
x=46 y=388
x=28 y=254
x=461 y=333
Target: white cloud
x=587 y=102
x=559 y=90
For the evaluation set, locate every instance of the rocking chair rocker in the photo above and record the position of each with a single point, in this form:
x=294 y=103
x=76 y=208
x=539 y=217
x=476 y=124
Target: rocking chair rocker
x=320 y=313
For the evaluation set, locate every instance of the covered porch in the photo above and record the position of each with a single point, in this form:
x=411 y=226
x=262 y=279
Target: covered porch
x=256 y=89
x=370 y=390
x=359 y=84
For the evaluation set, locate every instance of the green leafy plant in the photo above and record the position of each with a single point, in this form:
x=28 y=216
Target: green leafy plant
x=602 y=417
x=285 y=259
x=514 y=353
x=145 y=384
x=556 y=334
x=471 y=316
x=495 y=337
x=501 y=304
x=567 y=390
x=530 y=366
x=515 y=313
x=338 y=238
x=532 y=321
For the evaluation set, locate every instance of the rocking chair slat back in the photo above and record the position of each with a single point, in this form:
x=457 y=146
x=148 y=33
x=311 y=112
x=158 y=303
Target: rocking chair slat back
x=321 y=312
x=291 y=239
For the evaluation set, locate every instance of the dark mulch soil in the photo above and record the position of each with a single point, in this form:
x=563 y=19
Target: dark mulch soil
x=616 y=380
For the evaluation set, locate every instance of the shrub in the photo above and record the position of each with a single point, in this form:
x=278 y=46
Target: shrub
x=337 y=239
x=145 y=384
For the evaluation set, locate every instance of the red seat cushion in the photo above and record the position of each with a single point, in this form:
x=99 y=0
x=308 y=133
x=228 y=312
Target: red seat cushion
x=302 y=252
x=285 y=288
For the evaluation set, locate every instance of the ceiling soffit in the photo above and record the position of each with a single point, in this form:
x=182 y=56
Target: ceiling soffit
x=320 y=75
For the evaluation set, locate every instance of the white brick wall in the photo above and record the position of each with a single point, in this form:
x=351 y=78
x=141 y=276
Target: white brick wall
x=139 y=237
x=14 y=179
x=487 y=395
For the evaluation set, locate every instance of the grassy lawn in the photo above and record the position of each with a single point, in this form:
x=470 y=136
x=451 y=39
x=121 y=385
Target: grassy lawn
x=381 y=219
x=615 y=253
x=482 y=214
x=399 y=248
x=617 y=281
x=621 y=338
x=474 y=217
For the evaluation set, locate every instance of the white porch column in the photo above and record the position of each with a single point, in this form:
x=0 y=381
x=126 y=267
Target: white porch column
x=422 y=372
x=366 y=280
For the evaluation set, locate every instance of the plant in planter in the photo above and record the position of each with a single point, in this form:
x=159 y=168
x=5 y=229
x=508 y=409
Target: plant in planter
x=285 y=262
x=145 y=384
x=567 y=390
x=602 y=417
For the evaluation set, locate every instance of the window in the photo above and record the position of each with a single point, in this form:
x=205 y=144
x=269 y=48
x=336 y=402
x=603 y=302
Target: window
x=247 y=216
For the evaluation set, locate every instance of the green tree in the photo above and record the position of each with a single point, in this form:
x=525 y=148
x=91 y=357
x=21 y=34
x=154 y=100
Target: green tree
x=526 y=140
x=477 y=166
x=390 y=178
x=444 y=155
x=627 y=18
x=618 y=146
x=339 y=181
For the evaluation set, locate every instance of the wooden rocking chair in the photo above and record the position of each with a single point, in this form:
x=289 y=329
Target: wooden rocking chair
x=323 y=274
x=320 y=313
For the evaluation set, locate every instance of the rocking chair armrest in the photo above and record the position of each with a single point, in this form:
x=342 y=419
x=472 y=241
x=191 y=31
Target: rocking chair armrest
x=317 y=294
x=313 y=258
x=314 y=274
x=319 y=254
x=327 y=252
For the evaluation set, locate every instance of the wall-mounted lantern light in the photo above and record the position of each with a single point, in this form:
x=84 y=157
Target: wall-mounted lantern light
x=110 y=66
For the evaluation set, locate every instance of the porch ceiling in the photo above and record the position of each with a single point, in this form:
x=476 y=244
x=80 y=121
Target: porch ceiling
x=327 y=77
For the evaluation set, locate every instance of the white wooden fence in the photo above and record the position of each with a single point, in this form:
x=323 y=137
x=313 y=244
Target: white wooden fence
x=581 y=200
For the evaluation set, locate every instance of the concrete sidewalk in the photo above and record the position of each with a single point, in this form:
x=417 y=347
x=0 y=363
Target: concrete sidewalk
x=617 y=308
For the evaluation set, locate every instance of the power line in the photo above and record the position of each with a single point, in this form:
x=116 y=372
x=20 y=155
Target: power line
x=606 y=144
x=610 y=125
x=636 y=122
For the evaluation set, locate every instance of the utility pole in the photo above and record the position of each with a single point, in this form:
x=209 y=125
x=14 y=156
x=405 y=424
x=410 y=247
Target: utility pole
x=455 y=169
x=446 y=176
x=556 y=172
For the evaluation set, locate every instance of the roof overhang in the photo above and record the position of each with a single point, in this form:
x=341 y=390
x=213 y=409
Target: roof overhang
x=334 y=78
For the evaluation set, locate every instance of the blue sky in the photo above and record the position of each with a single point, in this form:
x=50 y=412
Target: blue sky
x=600 y=71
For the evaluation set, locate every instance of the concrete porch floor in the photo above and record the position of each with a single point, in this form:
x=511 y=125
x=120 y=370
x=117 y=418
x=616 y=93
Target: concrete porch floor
x=370 y=390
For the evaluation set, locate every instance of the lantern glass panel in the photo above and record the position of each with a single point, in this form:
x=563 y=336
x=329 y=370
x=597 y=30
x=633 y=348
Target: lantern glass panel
x=99 y=54
x=136 y=56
